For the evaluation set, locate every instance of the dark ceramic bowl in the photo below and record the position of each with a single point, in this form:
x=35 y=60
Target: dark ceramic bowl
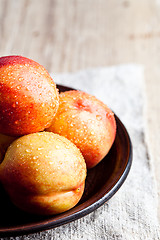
x=102 y=183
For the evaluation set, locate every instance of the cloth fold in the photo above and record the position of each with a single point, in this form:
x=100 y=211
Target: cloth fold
x=131 y=214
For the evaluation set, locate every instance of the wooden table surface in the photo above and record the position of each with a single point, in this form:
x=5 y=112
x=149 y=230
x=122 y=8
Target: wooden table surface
x=77 y=34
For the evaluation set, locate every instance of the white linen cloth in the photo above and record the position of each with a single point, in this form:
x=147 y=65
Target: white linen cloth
x=131 y=214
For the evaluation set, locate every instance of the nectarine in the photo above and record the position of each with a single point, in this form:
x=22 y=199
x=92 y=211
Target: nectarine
x=28 y=96
x=5 y=141
x=87 y=122
x=43 y=173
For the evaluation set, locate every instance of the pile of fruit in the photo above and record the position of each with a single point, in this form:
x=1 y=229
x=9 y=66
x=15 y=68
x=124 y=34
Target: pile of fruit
x=47 y=139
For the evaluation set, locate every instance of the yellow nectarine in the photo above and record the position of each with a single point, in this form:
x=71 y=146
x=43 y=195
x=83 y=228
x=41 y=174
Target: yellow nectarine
x=43 y=173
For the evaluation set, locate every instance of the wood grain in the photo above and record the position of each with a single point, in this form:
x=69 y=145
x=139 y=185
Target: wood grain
x=77 y=34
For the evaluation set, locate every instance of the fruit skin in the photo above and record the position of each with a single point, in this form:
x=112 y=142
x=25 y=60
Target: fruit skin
x=28 y=96
x=87 y=122
x=43 y=173
x=5 y=141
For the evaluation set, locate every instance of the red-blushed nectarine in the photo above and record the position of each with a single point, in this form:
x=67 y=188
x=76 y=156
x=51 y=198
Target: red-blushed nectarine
x=87 y=122
x=28 y=96
x=43 y=173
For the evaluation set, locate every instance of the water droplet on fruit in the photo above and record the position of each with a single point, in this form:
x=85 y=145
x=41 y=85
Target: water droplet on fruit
x=67 y=146
x=99 y=117
x=40 y=148
x=78 y=189
x=27 y=150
